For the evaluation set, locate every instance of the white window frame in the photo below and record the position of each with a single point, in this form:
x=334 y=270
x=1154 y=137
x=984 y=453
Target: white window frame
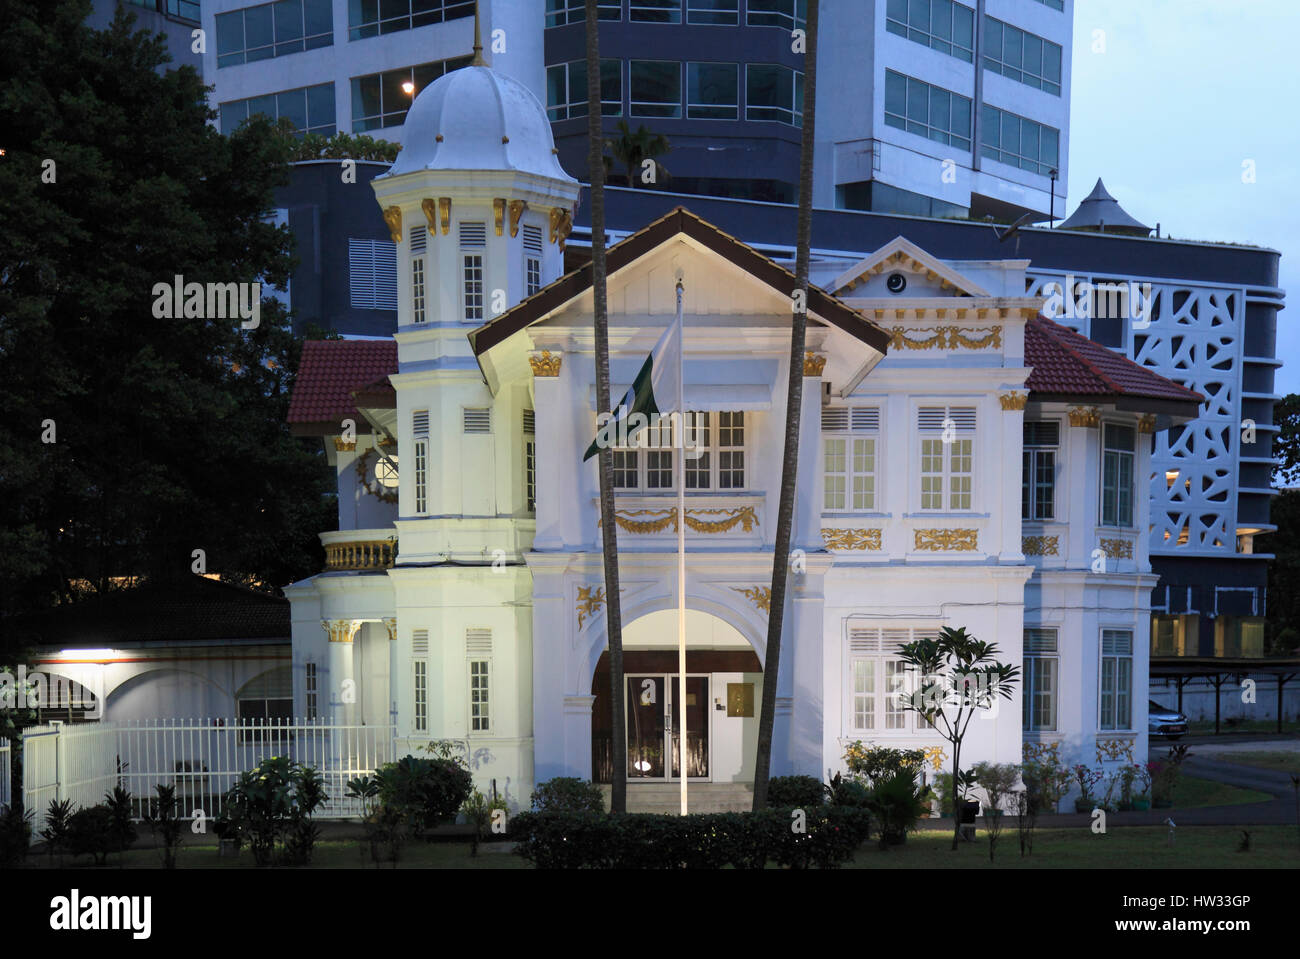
x=1037 y=663
x=420 y=692
x=949 y=451
x=1029 y=475
x=480 y=695
x=530 y=461
x=1132 y=478
x=311 y=687
x=420 y=465
x=861 y=425
x=883 y=641
x=649 y=451
x=1108 y=718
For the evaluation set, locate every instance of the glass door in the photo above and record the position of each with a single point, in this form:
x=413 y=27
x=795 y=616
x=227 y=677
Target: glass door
x=654 y=723
x=697 y=727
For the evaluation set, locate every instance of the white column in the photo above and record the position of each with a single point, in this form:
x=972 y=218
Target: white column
x=390 y=623
x=342 y=681
x=1005 y=538
x=809 y=491
x=561 y=422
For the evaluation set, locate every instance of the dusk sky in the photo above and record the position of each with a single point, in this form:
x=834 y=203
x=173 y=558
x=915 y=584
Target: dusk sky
x=1185 y=92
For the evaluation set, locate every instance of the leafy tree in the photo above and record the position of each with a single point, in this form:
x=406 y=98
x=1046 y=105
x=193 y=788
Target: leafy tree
x=1286 y=452
x=959 y=676
x=633 y=149
x=131 y=440
x=793 y=411
x=340 y=146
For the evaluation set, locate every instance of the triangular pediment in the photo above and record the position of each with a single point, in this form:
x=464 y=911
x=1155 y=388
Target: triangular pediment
x=901 y=255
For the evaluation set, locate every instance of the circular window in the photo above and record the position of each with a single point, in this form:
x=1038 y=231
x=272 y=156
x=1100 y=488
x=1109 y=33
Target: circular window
x=896 y=283
x=386 y=472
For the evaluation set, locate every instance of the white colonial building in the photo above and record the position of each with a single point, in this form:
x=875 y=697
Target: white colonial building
x=963 y=462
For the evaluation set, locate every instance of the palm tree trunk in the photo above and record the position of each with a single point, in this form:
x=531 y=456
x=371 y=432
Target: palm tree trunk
x=793 y=409
x=605 y=458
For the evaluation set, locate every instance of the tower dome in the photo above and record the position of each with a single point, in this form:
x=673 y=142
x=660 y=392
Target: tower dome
x=476 y=119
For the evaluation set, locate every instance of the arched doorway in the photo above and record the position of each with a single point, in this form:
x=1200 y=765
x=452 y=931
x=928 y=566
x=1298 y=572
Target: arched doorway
x=723 y=687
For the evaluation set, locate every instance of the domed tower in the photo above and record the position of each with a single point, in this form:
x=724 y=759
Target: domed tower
x=479 y=208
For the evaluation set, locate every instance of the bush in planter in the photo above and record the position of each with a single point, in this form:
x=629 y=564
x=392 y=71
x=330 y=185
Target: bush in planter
x=878 y=762
x=1087 y=778
x=424 y=792
x=847 y=792
x=568 y=794
x=794 y=792
x=997 y=780
x=896 y=806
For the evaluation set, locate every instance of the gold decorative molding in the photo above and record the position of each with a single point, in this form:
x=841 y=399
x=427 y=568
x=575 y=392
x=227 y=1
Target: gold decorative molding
x=935 y=756
x=341 y=630
x=848 y=538
x=393 y=217
x=666 y=518
x=1039 y=545
x=1147 y=423
x=360 y=555
x=946 y=338
x=590 y=601
x=517 y=208
x=1039 y=752
x=760 y=596
x=499 y=215
x=953 y=540
x=1117 y=548
x=430 y=208
x=363 y=477
x=1084 y=416
x=390 y=624
x=813 y=363
x=444 y=214
x=387 y=441
x=561 y=224
x=1013 y=401
x=344 y=446
x=548 y=364
x=1113 y=749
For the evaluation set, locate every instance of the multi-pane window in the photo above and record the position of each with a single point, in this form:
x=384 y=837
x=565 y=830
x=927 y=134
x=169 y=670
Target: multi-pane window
x=420 y=431
x=480 y=714
x=1021 y=56
x=1020 y=142
x=372 y=274
x=185 y=9
x=947 y=457
x=532 y=244
x=473 y=240
x=566 y=89
x=715 y=454
x=419 y=244
x=880 y=681
x=371 y=18
x=1116 y=679
x=713 y=12
x=1041 y=675
x=420 y=676
x=530 y=461
x=773 y=92
x=656 y=88
x=561 y=12
x=1038 y=470
x=273 y=30
x=1054 y=4
x=927 y=111
x=786 y=14
x=939 y=24
x=655 y=11
x=1117 y=456
x=313 y=691
x=849 y=445
x=382 y=99
x=310 y=108
x=712 y=91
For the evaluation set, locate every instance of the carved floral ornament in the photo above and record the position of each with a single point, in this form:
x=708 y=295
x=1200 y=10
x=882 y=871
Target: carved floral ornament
x=546 y=363
x=946 y=540
x=1039 y=545
x=842 y=538
x=1113 y=749
x=591 y=599
x=393 y=217
x=934 y=755
x=1084 y=416
x=662 y=518
x=341 y=630
x=390 y=624
x=1117 y=548
x=813 y=363
x=1013 y=401
x=946 y=338
x=760 y=596
x=1147 y=423
x=517 y=208
x=499 y=215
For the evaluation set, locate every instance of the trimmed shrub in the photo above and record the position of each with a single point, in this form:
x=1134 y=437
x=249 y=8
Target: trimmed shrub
x=794 y=792
x=568 y=794
x=587 y=840
x=425 y=792
x=15 y=835
x=91 y=833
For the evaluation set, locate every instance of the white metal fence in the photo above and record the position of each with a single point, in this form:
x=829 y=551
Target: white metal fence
x=201 y=758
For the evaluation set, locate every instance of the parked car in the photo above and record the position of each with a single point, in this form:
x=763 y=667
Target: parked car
x=1163 y=721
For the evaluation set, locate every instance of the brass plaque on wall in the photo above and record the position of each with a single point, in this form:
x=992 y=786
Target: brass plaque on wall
x=740 y=699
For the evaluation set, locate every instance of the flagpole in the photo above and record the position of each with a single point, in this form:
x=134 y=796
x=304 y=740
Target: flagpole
x=681 y=546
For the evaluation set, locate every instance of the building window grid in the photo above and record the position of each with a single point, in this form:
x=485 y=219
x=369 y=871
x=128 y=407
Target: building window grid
x=1022 y=56
x=655 y=88
x=713 y=12
x=655 y=11
x=1116 y=685
x=566 y=89
x=926 y=110
x=310 y=108
x=559 y=13
x=480 y=713
x=372 y=18
x=773 y=93
x=269 y=30
x=717 y=461
x=379 y=99
x=786 y=14
x=1020 y=142
x=942 y=25
x=712 y=91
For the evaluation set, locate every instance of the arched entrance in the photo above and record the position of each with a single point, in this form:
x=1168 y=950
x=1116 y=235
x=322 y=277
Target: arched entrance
x=723 y=688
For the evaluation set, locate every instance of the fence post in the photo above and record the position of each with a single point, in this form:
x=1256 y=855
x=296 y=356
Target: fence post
x=58 y=758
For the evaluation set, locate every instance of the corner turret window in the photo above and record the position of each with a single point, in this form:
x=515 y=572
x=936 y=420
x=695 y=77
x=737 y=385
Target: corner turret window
x=473 y=241
x=1119 y=444
x=532 y=259
x=1038 y=471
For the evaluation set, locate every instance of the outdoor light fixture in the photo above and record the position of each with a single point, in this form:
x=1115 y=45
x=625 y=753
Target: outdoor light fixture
x=408 y=88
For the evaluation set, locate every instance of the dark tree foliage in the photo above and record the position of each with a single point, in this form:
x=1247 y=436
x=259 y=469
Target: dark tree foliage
x=1286 y=453
x=169 y=433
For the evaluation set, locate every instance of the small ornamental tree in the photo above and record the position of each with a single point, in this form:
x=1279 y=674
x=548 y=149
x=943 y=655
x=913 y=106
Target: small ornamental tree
x=957 y=677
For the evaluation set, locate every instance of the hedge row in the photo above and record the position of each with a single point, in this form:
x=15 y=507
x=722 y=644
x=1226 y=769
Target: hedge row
x=585 y=840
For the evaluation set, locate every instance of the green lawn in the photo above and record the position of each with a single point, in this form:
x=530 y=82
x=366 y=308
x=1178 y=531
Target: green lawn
x=1193 y=793
x=1278 y=759
x=1131 y=847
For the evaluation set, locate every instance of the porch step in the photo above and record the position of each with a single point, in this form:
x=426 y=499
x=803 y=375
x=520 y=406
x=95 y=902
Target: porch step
x=701 y=797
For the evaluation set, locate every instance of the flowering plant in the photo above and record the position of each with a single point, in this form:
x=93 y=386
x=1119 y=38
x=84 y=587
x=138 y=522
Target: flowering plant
x=1087 y=778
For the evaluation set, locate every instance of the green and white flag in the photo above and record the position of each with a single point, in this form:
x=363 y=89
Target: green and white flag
x=655 y=392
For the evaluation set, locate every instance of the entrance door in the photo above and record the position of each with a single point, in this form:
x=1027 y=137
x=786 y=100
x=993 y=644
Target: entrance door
x=654 y=724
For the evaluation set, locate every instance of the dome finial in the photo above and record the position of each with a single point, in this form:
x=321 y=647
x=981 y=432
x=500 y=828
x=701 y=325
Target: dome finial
x=478 y=60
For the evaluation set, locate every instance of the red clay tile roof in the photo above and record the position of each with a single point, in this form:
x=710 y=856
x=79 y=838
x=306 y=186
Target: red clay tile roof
x=1066 y=363
x=330 y=371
